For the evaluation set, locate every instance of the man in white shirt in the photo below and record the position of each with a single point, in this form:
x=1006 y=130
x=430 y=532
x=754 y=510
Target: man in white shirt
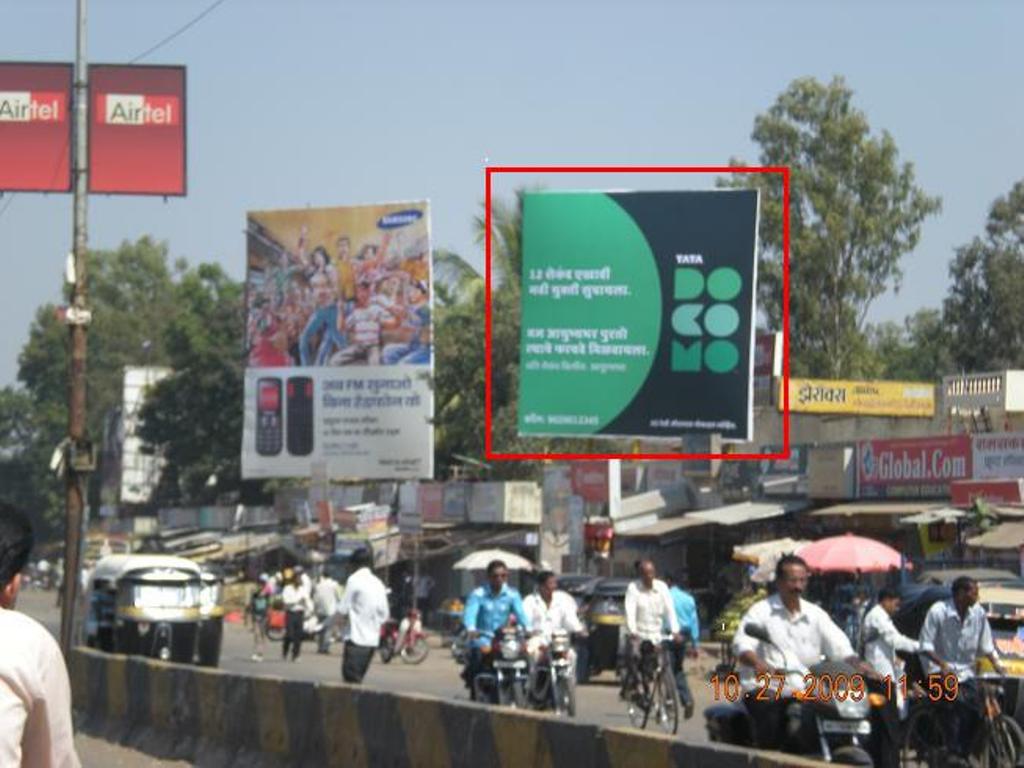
x=35 y=694
x=881 y=642
x=365 y=604
x=955 y=633
x=297 y=605
x=648 y=608
x=802 y=634
x=549 y=609
x=326 y=594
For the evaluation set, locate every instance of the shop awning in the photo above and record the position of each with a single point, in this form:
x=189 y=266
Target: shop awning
x=932 y=516
x=665 y=529
x=898 y=508
x=1006 y=536
x=747 y=512
x=761 y=550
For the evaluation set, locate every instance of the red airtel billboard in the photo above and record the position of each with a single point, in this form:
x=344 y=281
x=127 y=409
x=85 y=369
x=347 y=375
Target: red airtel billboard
x=918 y=468
x=35 y=127
x=136 y=130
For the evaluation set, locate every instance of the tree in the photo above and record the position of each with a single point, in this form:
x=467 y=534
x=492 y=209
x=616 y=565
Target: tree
x=855 y=210
x=130 y=291
x=194 y=417
x=983 y=310
x=919 y=350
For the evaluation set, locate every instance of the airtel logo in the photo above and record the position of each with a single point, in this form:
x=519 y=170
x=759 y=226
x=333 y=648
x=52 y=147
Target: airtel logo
x=31 y=107
x=134 y=109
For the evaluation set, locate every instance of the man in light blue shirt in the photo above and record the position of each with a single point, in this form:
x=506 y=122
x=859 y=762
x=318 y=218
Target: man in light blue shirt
x=487 y=610
x=689 y=627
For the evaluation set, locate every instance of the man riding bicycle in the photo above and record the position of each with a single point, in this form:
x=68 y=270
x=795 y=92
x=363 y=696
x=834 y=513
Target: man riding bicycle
x=802 y=633
x=955 y=632
x=648 y=608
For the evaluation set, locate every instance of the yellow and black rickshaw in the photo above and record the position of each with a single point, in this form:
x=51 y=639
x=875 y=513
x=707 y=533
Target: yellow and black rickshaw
x=148 y=605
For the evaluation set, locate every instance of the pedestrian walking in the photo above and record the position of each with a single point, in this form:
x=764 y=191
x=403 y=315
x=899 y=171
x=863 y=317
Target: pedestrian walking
x=365 y=605
x=297 y=605
x=256 y=612
x=35 y=693
x=689 y=626
x=326 y=595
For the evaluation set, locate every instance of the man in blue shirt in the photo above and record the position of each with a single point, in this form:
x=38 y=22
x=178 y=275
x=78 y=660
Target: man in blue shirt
x=327 y=324
x=487 y=610
x=689 y=627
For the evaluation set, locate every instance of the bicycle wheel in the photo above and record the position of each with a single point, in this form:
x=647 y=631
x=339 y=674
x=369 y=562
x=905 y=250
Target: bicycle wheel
x=564 y=697
x=639 y=706
x=925 y=741
x=666 y=706
x=1003 y=743
x=417 y=652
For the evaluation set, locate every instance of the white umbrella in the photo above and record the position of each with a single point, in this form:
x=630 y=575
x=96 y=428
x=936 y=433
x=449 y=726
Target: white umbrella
x=478 y=561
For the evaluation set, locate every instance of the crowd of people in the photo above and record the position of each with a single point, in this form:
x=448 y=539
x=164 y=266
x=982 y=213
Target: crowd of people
x=313 y=610
x=955 y=633
x=346 y=307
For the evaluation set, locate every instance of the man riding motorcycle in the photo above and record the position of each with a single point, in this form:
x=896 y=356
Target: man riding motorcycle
x=549 y=609
x=805 y=633
x=487 y=610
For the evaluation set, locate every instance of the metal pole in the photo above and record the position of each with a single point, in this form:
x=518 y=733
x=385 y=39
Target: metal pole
x=77 y=319
x=416 y=571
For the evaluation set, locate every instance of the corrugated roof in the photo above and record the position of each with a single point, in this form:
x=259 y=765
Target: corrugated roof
x=1005 y=536
x=736 y=514
x=665 y=528
x=876 y=508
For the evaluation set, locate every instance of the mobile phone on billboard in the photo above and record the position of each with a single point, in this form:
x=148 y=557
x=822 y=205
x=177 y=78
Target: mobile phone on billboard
x=300 y=415
x=268 y=417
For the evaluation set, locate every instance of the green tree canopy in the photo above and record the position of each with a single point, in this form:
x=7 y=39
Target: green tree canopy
x=855 y=210
x=984 y=310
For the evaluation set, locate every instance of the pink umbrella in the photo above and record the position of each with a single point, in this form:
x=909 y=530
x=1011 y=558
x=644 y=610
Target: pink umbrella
x=849 y=553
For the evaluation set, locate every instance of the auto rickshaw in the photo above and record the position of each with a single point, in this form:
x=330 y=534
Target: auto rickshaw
x=211 y=624
x=146 y=605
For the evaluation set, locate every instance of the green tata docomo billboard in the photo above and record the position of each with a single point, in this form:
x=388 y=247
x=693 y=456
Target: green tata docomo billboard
x=638 y=313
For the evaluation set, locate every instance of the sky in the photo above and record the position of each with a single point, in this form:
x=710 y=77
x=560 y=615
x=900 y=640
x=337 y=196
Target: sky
x=306 y=103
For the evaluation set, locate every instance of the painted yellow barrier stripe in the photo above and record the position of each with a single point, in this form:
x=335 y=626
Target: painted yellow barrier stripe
x=343 y=738
x=628 y=749
x=117 y=687
x=273 y=717
x=425 y=741
x=519 y=739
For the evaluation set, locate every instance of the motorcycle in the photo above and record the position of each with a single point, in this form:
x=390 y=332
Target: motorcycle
x=553 y=681
x=459 y=644
x=504 y=675
x=843 y=715
x=405 y=639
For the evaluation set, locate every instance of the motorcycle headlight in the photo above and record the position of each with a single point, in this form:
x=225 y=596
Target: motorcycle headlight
x=510 y=648
x=560 y=643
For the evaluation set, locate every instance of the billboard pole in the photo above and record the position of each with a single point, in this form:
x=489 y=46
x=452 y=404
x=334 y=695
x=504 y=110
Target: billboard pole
x=78 y=456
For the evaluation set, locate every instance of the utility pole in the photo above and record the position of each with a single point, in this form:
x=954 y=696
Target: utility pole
x=78 y=454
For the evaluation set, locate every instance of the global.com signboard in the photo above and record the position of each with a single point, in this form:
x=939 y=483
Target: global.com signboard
x=638 y=313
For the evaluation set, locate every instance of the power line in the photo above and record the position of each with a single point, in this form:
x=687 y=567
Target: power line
x=179 y=31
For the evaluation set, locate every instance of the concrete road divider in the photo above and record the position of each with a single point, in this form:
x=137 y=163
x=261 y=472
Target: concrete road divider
x=214 y=718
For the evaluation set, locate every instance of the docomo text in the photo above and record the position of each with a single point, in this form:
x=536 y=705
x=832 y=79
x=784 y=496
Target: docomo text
x=32 y=107
x=134 y=109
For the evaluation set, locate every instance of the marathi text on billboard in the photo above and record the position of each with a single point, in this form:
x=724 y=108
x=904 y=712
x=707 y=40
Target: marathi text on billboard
x=913 y=468
x=863 y=398
x=339 y=343
x=998 y=455
x=35 y=127
x=637 y=313
x=137 y=130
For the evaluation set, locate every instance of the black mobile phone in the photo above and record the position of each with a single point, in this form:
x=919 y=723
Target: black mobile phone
x=268 y=417
x=300 y=415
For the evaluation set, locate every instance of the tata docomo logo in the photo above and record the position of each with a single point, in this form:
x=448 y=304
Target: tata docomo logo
x=399 y=219
x=706 y=311
x=920 y=465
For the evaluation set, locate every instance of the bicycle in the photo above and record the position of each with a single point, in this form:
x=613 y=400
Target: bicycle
x=998 y=740
x=657 y=692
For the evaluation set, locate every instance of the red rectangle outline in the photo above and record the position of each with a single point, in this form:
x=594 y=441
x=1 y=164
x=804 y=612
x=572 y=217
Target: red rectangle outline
x=491 y=455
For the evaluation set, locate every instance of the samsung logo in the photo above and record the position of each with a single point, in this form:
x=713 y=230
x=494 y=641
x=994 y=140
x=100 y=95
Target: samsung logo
x=399 y=219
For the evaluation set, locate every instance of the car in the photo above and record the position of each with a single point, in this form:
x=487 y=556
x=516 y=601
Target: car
x=605 y=619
